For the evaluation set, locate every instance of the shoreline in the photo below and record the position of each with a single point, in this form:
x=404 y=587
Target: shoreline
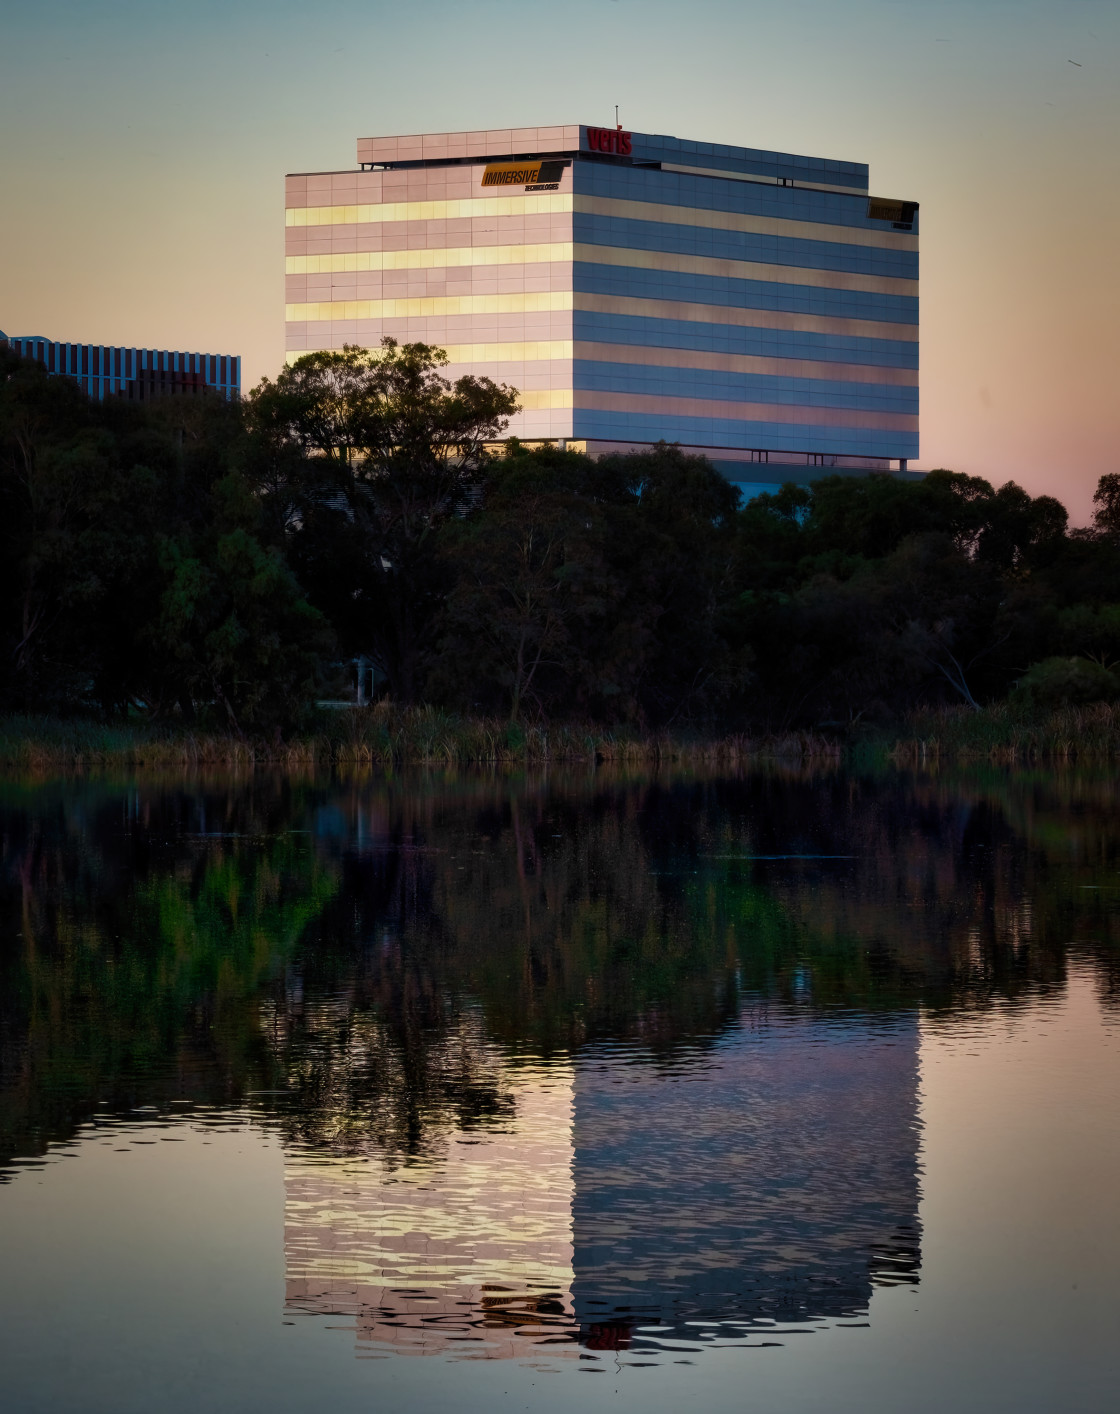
x=391 y=739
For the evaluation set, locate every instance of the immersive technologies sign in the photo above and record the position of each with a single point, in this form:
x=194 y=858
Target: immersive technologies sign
x=610 y=140
x=533 y=175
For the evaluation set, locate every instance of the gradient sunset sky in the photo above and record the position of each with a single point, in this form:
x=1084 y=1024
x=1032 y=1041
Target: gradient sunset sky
x=143 y=148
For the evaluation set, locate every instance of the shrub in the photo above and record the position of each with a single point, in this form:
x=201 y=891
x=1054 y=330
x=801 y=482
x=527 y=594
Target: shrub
x=1066 y=682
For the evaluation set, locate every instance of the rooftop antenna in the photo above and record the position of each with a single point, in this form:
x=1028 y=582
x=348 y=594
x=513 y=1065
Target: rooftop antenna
x=617 y=124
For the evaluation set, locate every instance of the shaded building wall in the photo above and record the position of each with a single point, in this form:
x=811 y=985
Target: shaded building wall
x=772 y=1178
x=729 y=299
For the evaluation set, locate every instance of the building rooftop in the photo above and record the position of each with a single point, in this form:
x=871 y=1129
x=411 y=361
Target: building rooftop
x=489 y=144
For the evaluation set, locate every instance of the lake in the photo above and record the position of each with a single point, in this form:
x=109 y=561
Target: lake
x=793 y=1090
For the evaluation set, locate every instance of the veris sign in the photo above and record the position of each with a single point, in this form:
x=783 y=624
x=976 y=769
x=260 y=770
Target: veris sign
x=610 y=140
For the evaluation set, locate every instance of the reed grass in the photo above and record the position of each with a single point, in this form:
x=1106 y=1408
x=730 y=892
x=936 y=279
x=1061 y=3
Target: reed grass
x=386 y=737
x=1010 y=734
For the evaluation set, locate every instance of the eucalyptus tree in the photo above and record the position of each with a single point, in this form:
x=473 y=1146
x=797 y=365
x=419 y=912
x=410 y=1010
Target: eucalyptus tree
x=389 y=451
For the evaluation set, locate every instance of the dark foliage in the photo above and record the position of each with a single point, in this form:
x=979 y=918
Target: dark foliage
x=134 y=569
x=194 y=558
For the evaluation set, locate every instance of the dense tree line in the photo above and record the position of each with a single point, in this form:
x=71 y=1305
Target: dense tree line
x=192 y=557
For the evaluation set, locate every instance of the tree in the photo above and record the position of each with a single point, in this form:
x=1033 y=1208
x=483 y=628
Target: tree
x=1106 y=499
x=589 y=588
x=531 y=586
x=134 y=569
x=1021 y=532
x=233 y=628
x=50 y=454
x=390 y=451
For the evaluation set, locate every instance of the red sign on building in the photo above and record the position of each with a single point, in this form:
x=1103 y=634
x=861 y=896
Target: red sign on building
x=609 y=140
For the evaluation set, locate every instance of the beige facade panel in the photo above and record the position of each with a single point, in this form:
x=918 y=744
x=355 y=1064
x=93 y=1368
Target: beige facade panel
x=511 y=303
x=428 y=210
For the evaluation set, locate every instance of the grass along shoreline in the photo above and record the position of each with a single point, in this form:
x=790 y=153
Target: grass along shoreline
x=1008 y=734
x=380 y=736
x=388 y=737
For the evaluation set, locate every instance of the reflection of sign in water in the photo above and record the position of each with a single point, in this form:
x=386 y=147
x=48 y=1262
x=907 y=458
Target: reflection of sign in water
x=773 y=1178
x=467 y=1254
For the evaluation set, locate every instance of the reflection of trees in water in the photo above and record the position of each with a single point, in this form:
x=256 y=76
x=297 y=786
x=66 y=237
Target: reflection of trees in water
x=976 y=889
x=140 y=928
x=372 y=948
x=650 y=912
x=357 y=1079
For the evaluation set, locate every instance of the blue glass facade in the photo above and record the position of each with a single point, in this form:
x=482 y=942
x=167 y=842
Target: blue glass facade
x=103 y=371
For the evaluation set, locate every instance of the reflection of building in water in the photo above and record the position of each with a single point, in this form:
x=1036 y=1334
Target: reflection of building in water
x=468 y=1253
x=773 y=1178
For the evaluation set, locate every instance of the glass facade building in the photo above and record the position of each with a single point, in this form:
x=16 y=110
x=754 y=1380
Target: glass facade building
x=758 y=307
x=139 y=374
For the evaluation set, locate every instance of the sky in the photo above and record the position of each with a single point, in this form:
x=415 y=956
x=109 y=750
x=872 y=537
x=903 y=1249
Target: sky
x=143 y=146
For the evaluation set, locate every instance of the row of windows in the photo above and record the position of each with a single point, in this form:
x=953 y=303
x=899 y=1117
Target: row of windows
x=760 y=315
x=727 y=432
x=427 y=259
x=687 y=191
x=726 y=338
x=716 y=362
x=468 y=257
x=680 y=364
x=738 y=268
x=534 y=302
x=427 y=210
x=778 y=312
x=743 y=245
x=515 y=351
x=534 y=205
x=100 y=361
x=804 y=414
x=727 y=386
x=691 y=288
x=534 y=401
x=658 y=148
x=667 y=214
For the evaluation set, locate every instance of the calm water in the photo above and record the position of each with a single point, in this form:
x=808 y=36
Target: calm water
x=775 y=1093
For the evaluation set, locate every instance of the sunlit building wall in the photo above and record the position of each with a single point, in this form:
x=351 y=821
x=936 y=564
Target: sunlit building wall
x=103 y=371
x=466 y=1251
x=759 y=307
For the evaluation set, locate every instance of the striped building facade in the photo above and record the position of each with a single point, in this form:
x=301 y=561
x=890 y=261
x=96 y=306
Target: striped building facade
x=758 y=307
x=139 y=374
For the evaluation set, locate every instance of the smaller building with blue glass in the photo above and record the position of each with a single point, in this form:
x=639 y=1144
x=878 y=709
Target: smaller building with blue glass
x=104 y=371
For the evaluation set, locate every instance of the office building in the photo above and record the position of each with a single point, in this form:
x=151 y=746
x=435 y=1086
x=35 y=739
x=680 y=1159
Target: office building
x=139 y=374
x=757 y=307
